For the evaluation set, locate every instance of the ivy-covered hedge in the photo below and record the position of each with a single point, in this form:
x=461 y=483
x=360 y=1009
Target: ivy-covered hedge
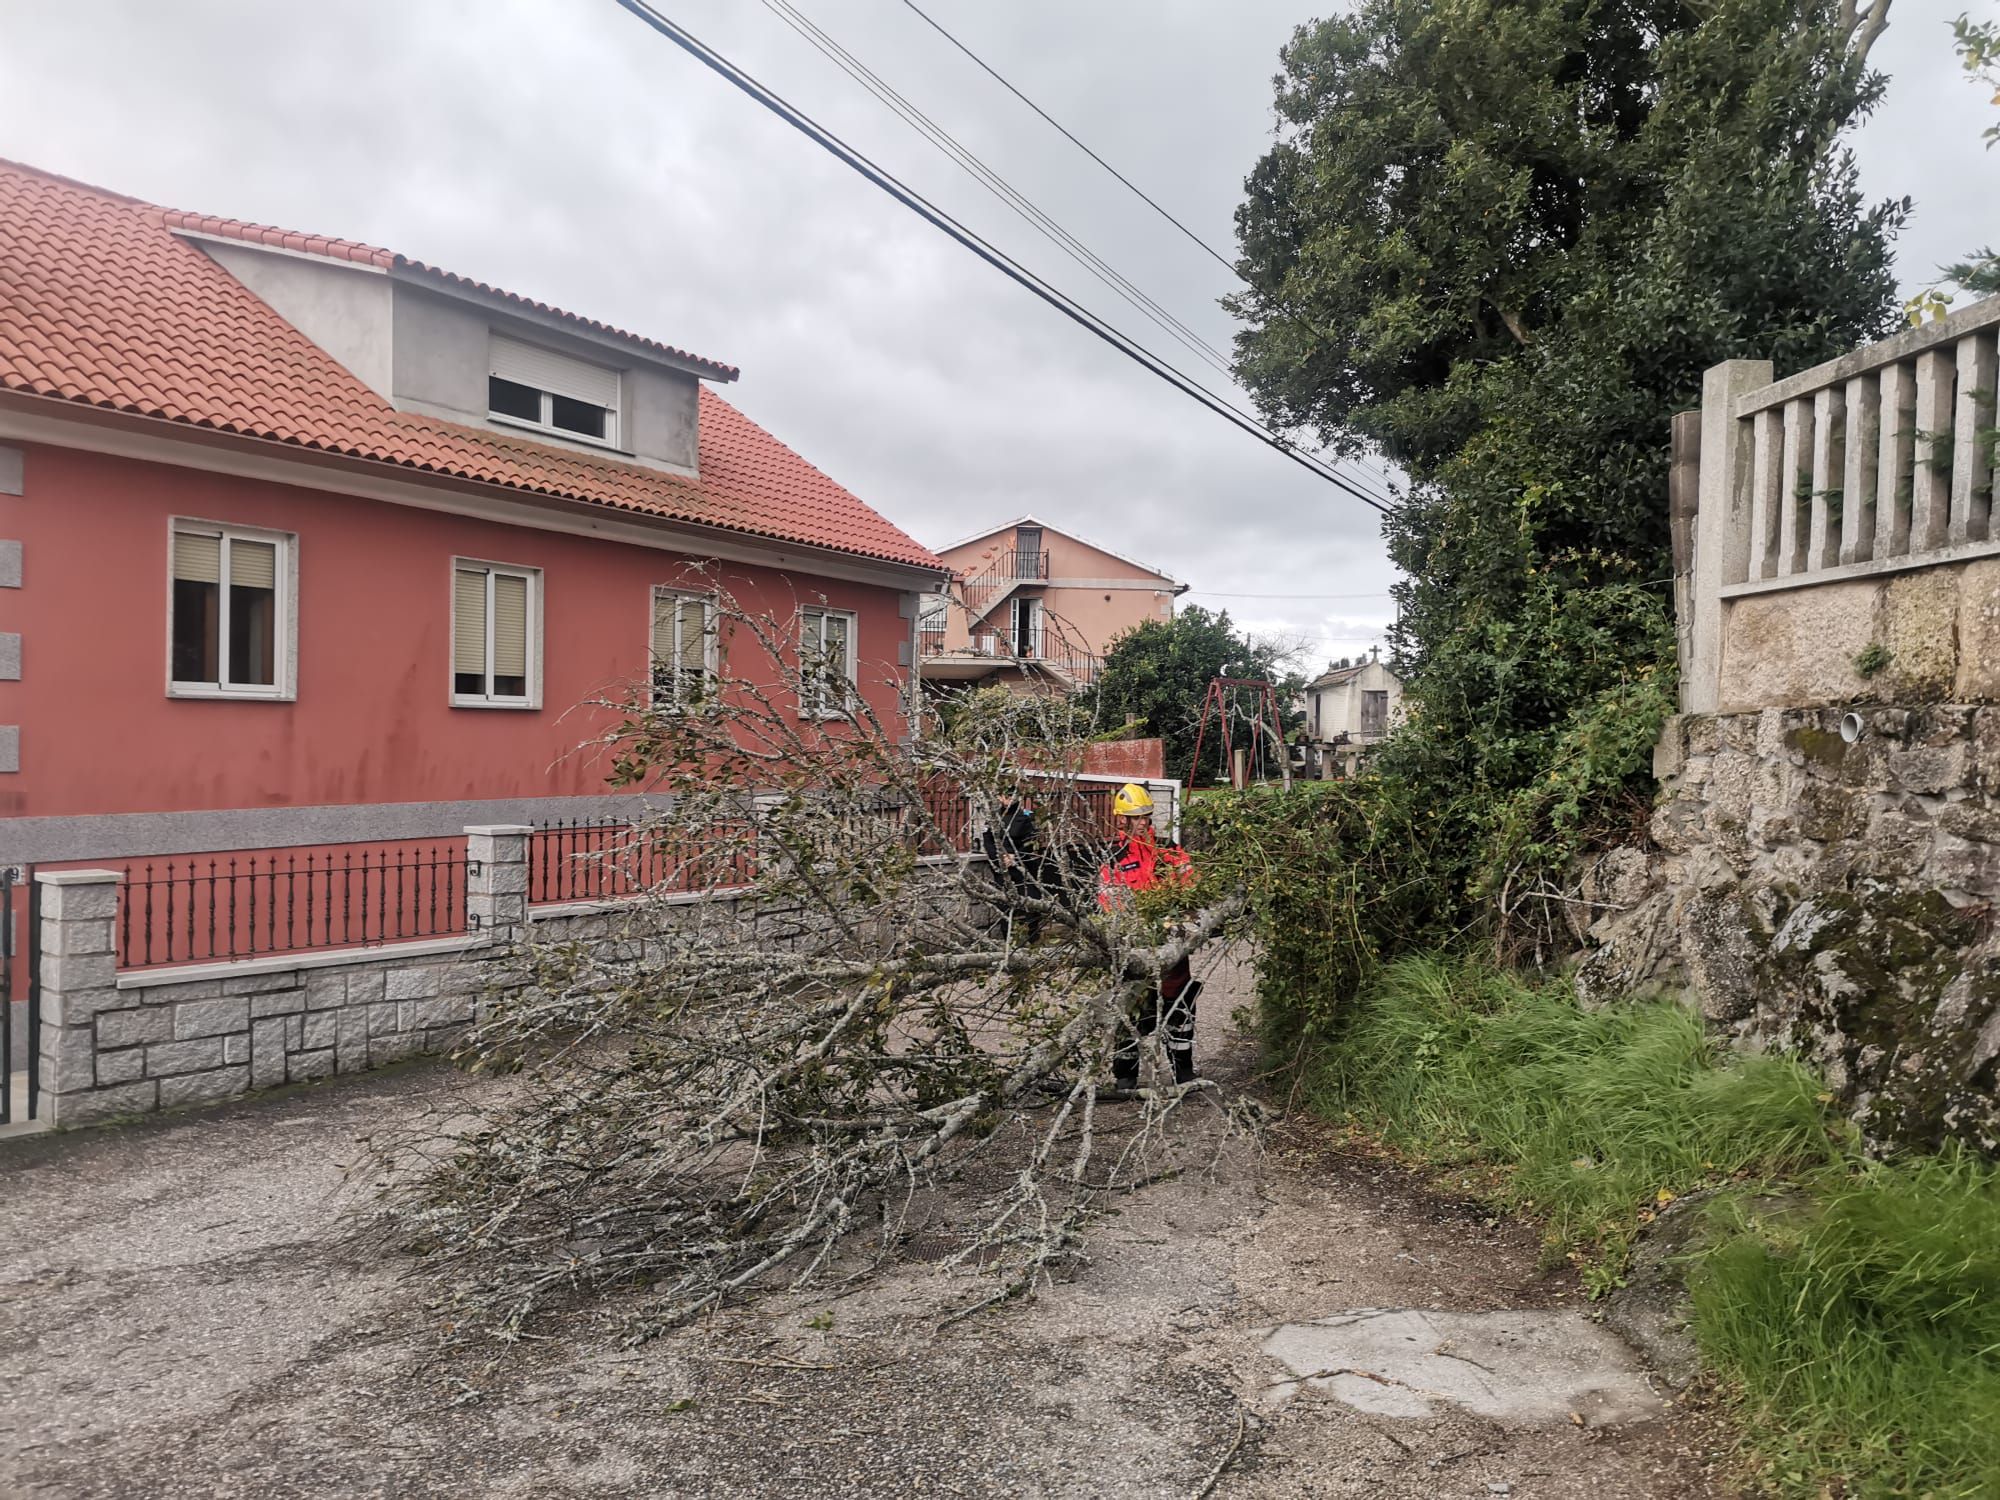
x=1344 y=876
x=1341 y=876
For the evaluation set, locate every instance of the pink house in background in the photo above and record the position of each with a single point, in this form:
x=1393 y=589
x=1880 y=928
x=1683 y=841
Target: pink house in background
x=304 y=542
x=1035 y=607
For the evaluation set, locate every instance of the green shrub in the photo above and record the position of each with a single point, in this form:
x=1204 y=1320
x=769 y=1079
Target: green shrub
x=1596 y=788
x=1342 y=876
x=1346 y=876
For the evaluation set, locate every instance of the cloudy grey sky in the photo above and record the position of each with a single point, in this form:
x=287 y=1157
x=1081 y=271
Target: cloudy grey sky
x=560 y=149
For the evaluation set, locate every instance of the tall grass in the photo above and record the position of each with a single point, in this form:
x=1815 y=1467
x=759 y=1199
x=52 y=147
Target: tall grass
x=1850 y=1307
x=1862 y=1328
x=1589 y=1119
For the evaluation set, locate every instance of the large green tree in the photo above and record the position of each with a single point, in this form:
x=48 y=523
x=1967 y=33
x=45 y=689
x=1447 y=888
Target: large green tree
x=1500 y=240
x=1158 y=673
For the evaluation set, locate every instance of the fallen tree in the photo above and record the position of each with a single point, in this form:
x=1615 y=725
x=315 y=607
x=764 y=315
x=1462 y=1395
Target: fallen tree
x=824 y=1003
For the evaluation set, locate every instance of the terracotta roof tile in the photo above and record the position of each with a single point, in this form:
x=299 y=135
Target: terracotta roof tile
x=104 y=303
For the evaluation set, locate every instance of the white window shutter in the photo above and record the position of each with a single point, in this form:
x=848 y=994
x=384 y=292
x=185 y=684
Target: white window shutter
x=559 y=374
x=468 y=622
x=252 y=565
x=694 y=635
x=665 y=607
x=510 y=625
x=197 y=558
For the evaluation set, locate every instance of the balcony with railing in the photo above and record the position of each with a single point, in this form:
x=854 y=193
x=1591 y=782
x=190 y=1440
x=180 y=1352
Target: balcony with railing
x=1879 y=463
x=1042 y=651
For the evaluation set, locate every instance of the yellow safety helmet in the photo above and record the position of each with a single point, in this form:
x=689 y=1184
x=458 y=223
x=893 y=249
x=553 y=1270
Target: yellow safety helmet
x=1132 y=801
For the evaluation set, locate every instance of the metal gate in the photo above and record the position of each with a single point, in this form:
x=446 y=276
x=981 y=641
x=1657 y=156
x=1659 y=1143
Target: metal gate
x=20 y=995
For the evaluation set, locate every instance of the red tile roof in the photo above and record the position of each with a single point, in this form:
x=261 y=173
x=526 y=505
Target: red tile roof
x=102 y=302
x=389 y=260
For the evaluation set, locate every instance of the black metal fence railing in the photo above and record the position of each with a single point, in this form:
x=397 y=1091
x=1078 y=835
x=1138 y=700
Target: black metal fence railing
x=246 y=905
x=947 y=809
x=608 y=859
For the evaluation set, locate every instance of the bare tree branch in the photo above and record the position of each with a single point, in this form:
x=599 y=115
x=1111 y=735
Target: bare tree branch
x=818 y=1001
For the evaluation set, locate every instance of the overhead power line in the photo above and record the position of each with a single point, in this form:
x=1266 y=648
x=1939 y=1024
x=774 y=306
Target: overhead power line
x=1143 y=196
x=995 y=184
x=1043 y=223
x=1375 y=474
x=993 y=256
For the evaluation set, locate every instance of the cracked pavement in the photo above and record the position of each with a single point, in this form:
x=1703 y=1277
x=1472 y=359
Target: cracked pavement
x=180 y=1312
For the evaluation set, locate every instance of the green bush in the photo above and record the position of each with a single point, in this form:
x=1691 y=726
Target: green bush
x=1346 y=876
x=1342 y=876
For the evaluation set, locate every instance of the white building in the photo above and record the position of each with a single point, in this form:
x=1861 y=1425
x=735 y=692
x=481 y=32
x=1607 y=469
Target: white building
x=1349 y=709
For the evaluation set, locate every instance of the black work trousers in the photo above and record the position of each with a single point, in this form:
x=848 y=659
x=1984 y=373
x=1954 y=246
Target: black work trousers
x=1170 y=1009
x=1026 y=878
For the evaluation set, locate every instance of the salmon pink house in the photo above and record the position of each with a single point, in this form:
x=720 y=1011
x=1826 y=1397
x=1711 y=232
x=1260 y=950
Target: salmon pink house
x=304 y=542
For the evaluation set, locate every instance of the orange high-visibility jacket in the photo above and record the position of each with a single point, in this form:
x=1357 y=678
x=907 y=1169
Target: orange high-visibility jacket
x=1139 y=864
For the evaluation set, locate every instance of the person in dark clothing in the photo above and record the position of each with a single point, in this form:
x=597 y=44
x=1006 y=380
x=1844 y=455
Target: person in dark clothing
x=1138 y=861
x=1013 y=852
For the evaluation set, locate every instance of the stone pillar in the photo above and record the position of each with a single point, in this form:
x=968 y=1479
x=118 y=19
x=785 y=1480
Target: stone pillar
x=79 y=973
x=496 y=885
x=1721 y=523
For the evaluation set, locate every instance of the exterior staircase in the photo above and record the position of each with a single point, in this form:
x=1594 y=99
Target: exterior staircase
x=985 y=592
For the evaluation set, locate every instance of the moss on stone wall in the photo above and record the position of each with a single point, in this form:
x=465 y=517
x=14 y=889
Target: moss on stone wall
x=1833 y=898
x=1860 y=976
x=1821 y=747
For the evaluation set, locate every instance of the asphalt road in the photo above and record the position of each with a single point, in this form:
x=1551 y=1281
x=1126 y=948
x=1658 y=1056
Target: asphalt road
x=181 y=1313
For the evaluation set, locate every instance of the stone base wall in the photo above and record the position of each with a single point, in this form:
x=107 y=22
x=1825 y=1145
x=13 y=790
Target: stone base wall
x=1828 y=896
x=189 y=1042
x=1935 y=632
x=117 y=1044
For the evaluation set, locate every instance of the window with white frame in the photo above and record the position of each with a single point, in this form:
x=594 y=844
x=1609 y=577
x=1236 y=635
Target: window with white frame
x=229 y=611
x=533 y=387
x=494 y=614
x=685 y=649
x=826 y=660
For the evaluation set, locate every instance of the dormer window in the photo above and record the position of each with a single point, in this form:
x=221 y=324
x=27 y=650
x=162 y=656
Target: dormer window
x=528 y=386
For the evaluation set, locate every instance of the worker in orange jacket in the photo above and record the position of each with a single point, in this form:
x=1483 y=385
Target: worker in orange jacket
x=1139 y=861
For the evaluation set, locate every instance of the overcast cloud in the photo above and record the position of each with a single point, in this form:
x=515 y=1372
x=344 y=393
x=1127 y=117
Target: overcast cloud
x=564 y=151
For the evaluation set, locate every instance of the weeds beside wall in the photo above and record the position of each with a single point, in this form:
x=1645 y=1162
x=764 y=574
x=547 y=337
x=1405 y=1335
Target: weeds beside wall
x=1843 y=1306
x=1846 y=1308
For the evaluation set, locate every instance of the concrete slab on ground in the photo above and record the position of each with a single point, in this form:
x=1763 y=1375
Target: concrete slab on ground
x=1532 y=1365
